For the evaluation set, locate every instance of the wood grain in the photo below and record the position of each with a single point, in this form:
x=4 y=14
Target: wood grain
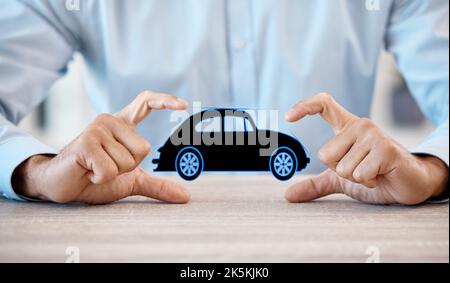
x=237 y=218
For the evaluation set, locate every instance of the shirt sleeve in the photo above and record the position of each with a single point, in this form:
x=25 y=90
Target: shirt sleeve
x=34 y=51
x=418 y=37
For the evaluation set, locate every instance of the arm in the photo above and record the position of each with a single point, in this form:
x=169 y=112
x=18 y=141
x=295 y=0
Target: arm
x=418 y=38
x=363 y=162
x=33 y=54
x=102 y=164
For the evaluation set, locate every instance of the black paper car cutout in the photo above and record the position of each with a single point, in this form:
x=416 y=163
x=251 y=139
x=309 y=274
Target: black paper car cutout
x=228 y=140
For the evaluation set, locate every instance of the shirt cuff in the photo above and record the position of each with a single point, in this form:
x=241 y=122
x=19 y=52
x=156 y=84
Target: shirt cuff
x=14 y=151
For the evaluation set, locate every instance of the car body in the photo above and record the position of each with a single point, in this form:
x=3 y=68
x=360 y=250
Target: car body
x=228 y=140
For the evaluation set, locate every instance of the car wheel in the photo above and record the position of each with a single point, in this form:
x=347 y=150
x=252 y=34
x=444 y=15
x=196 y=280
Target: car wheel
x=189 y=163
x=283 y=164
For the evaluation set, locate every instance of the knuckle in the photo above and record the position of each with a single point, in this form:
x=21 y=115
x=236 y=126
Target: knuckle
x=95 y=131
x=128 y=164
x=148 y=96
x=131 y=164
x=104 y=118
x=328 y=156
x=324 y=156
x=107 y=121
x=146 y=147
x=343 y=171
x=385 y=145
x=87 y=141
x=143 y=148
x=326 y=98
x=358 y=176
x=365 y=124
x=362 y=177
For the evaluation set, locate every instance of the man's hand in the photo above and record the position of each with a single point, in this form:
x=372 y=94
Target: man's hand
x=364 y=163
x=101 y=165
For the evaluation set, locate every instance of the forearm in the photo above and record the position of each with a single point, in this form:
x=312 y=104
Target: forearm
x=15 y=147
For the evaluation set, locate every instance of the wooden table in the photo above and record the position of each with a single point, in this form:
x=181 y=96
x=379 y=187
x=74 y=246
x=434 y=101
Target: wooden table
x=237 y=218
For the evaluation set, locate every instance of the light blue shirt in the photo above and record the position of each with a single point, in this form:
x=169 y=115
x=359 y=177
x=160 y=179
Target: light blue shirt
x=261 y=54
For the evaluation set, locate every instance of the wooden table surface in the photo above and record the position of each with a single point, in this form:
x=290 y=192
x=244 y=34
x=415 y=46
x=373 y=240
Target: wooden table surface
x=237 y=218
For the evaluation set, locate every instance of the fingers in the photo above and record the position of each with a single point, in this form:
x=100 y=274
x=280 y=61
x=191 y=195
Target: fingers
x=118 y=131
x=143 y=104
x=314 y=188
x=159 y=188
x=117 y=137
x=357 y=140
x=351 y=145
x=123 y=159
x=101 y=167
x=331 y=153
x=367 y=171
x=373 y=165
x=329 y=183
x=360 y=157
x=347 y=165
x=323 y=104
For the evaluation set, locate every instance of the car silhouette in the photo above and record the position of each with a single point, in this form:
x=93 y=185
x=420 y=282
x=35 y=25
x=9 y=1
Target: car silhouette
x=228 y=140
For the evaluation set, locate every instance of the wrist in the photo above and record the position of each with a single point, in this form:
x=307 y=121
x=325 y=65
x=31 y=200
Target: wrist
x=27 y=177
x=437 y=173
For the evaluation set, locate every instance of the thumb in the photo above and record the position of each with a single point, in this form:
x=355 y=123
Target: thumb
x=159 y=188
x=326 y=183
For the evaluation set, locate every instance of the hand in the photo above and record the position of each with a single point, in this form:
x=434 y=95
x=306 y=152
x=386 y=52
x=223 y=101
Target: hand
x=101 y=165
x=364 y=163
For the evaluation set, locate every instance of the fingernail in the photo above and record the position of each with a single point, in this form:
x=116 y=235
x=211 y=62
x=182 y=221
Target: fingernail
x=171 y=103
x=183 y=102
x=175 y=104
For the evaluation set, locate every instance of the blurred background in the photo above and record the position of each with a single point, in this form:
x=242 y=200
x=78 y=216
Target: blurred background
x=68 y=110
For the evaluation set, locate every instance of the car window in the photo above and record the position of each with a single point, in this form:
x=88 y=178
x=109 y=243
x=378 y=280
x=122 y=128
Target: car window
x=234 y=124
x=209 y=125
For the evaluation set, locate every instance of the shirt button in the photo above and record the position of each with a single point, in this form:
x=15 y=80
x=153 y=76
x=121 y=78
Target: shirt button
x=239 y=44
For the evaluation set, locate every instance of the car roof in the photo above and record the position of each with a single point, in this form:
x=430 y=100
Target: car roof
x=222 y=111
